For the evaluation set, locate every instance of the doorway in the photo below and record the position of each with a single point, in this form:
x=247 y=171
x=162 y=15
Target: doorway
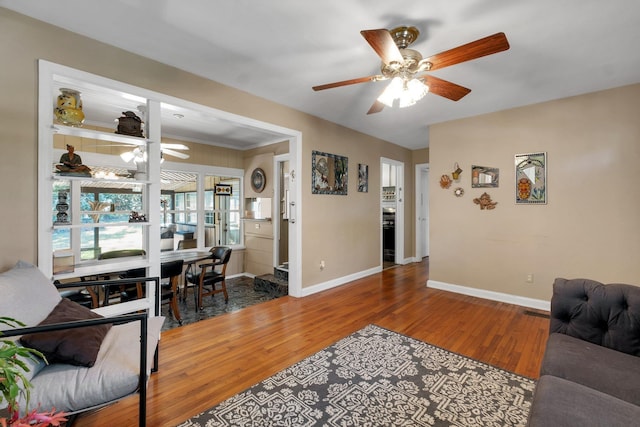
x=422 y=211
x=281 y=202
x=391 y=212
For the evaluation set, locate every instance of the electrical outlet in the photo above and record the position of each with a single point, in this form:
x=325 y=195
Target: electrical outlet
x=530 y=278
x=322 y=265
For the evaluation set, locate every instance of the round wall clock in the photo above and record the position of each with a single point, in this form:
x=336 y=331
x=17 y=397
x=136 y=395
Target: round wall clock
x=258 y=180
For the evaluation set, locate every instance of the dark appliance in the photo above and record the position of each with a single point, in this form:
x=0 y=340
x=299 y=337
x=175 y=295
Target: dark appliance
x=389 y=234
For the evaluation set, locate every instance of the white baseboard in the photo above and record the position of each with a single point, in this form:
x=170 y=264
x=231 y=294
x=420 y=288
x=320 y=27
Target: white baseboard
x=339 y=281
x=491 y=295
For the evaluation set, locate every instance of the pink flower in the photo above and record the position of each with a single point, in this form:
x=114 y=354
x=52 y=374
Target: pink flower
x=34 y=418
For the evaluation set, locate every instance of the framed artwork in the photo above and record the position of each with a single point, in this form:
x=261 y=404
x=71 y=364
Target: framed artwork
x=484 y=177
x=363 y=178
x=222 y=190
x=329 y=173
x=531 y=178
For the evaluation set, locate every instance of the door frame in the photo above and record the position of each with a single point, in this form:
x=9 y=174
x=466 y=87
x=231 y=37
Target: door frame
x=422 y=188
x=277 y=207
x=399 y=205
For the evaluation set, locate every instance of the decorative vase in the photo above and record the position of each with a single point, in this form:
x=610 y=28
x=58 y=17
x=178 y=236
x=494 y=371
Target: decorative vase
x=68 y=109
x=62 y=217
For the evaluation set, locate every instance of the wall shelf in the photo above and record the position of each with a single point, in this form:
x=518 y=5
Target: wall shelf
x=98 y=135
x=90 y=179
x=128 y=190
x=100 y=224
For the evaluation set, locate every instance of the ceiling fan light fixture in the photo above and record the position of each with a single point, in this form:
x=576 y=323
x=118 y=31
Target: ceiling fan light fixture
x=136 y=155
x=391 y=92
x=127 y=156
x=412 y=91
x=406 y=100
x=408 y=92
x=417 y=88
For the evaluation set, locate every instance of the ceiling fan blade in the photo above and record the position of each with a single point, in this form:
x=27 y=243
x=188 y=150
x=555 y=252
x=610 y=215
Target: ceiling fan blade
x=382 y=42
x=376 y=107
x=477 y=49
x=173 y=146
x=444 y=88
x=175 y=154
x=349 y=82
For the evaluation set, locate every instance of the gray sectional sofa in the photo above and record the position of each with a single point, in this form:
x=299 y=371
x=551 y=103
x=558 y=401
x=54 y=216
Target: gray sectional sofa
x=590 y=374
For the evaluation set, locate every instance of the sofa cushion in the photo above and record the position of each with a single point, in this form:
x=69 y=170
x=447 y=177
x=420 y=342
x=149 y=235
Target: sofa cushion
x=607 y=315
x=27 y=295
x=74 y=346
x=601 y=368
x=19 y=288
x=71 y=388
x=561 y=403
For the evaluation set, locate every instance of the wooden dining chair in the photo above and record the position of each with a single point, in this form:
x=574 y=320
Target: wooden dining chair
x=187 y=244
x=211 y=272
x=171 y=270
x=170 y=273
x=125 y=293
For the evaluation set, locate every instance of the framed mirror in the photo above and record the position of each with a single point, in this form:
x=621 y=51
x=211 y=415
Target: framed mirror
x=484 y=177
x=531 y=178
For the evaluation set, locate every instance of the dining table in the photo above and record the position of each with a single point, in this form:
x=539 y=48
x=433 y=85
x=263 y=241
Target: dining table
x=190 y=257
x=97 y=286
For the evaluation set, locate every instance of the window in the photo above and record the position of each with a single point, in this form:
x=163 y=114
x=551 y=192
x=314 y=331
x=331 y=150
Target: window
x=109 y=206
x=220 y=210
x=103 y=204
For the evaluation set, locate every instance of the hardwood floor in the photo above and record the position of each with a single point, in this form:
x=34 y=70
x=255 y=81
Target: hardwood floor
x=204 y=363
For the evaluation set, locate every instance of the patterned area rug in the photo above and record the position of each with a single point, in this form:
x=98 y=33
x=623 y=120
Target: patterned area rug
x=376 y=377
x=241 y=292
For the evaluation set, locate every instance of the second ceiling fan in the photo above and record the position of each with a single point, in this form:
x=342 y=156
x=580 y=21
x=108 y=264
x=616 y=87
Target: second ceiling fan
x=405 y=67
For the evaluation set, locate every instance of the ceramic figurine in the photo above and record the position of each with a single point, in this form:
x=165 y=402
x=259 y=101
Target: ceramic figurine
x=130 y=124
x=72 y=163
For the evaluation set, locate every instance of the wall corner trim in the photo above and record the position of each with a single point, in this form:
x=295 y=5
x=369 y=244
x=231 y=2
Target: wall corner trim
x=490 y=295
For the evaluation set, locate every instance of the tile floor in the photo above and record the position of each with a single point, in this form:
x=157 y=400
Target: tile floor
x=241 y=294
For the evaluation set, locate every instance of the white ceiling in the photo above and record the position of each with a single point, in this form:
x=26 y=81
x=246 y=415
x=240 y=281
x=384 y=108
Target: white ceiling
x=279 y=49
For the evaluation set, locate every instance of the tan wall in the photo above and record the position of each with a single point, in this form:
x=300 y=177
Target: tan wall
x=265 y=162
x=344 y=231
x=589 y=228
x=420 y=156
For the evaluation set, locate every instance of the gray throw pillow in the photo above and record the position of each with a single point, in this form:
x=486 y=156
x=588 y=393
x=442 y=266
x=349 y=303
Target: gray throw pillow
x=27 y=295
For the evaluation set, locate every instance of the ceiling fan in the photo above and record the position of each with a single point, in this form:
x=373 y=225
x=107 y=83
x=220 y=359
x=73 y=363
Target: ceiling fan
x=405 y=67
x=139 y=154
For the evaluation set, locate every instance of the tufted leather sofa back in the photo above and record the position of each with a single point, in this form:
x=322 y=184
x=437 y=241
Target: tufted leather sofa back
x=607 y=315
